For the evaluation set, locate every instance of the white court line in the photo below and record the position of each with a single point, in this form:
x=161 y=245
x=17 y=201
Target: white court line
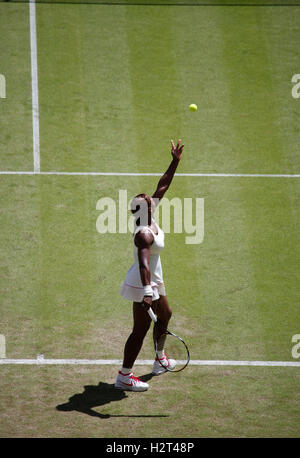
x=34 y=88
x=146 y=362
x=128 y=174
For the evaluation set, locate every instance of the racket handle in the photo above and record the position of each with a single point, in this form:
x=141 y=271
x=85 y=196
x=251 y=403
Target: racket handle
x=152 y=315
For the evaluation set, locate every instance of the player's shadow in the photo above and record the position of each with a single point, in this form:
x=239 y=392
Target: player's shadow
x=96 y=396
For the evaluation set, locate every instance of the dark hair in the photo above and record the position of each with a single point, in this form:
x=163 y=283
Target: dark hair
x=141 y=196
x=137 y=207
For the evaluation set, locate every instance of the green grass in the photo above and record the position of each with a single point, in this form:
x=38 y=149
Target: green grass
x=15 y=109
x=115 y=83
x=129 y=102
x=81 y=402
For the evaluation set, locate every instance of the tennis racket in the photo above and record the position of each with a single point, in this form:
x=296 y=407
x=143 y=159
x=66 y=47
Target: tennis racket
x=174 y=347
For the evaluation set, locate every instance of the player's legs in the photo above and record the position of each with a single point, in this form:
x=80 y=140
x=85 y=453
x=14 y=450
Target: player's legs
x=141 y=325
x=164 y=312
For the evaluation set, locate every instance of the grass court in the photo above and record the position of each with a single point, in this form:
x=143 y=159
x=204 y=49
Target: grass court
x=114 y=84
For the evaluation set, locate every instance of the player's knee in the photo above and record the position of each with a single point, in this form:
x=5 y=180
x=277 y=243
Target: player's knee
x=167 y=314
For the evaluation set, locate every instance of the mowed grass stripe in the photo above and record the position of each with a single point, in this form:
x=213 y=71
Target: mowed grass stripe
x=85 y=88
x=20 y=263
x=15 y=109
x=253 y=110
x=155 y=86
x=283 y=64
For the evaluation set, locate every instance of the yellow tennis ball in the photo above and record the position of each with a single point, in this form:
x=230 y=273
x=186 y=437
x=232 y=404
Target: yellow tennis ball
x=193 y=107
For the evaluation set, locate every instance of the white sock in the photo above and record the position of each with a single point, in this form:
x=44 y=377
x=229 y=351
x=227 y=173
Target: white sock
x=161 y=354
x=126 y=370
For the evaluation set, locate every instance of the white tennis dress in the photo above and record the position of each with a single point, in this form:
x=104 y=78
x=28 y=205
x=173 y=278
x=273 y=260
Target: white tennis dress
x=132 y=288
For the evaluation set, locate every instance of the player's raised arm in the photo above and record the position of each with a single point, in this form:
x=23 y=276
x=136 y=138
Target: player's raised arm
x=167 y=177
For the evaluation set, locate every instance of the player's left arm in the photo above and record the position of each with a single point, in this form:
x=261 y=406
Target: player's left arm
x=167 y=177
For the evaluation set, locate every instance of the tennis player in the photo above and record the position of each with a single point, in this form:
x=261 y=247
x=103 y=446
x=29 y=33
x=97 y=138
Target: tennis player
x=144 y=284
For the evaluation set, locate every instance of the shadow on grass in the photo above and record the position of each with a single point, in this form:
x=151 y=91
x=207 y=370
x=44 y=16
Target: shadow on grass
x=96 y=396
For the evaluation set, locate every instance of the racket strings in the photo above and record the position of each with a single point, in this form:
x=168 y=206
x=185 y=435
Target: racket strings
x=175 y=349
x=176 y=354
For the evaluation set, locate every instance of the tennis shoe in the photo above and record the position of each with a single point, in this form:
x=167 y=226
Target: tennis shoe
x=158 y=369
x=128 y=382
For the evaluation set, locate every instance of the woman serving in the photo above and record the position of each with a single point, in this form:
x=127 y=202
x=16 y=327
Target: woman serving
x=144 y=285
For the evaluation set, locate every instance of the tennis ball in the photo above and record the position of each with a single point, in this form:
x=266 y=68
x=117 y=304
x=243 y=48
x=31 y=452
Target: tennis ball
x=193 y=107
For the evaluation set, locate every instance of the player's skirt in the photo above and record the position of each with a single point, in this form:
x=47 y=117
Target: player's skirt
x=136 y=293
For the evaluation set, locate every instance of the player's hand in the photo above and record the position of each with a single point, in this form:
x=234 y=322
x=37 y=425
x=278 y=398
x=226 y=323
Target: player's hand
x=176 y=151
x=147 y=302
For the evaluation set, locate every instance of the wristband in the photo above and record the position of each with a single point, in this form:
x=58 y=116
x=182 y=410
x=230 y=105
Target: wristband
x=148 y=291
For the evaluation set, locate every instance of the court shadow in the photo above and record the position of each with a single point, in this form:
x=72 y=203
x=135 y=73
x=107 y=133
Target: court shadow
x=96 y=396
x=146 y=377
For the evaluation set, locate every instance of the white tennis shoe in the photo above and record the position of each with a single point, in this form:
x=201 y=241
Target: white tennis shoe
x=128 y=382
x=158 y=369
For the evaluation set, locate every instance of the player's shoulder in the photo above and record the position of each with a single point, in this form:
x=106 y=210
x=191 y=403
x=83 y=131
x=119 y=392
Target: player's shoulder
x=143 y=238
